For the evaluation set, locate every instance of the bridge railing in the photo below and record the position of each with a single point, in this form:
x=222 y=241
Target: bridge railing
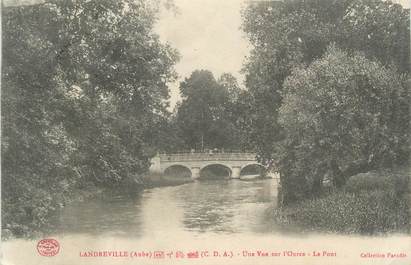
x=207 y=156
x=208 y=151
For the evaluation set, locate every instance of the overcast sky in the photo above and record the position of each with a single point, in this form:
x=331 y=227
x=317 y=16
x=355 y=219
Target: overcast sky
x=208 y=36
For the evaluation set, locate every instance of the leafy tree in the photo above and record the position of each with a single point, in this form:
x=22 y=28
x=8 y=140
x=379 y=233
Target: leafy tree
x=342 y=115
x=230 y=84
x=84 y=83
x=207 y=115
x=201 y=110
x=237 y=109
x=381 y=29
x=285 y=34
x=166 y=135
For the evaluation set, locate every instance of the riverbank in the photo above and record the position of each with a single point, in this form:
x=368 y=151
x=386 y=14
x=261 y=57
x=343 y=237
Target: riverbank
x=206 y=216
x=23 y=225
x=372 y=203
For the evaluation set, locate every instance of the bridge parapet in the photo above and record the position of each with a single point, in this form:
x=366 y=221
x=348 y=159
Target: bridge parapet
x=195 y=162
x=207 y=157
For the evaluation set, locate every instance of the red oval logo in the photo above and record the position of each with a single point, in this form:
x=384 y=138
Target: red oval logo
x=48 y=247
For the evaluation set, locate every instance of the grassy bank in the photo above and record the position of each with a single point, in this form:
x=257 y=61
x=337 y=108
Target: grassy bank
x=372 y=203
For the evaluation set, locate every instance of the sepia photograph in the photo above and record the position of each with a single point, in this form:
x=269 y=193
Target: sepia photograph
x=234 y=132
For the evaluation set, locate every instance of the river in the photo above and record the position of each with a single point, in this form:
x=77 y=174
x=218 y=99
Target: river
x=213 y=218
x=214 y=206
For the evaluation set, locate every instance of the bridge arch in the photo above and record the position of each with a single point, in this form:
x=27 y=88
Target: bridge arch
x=215 y=171
x=178 y=171
x=252 y=169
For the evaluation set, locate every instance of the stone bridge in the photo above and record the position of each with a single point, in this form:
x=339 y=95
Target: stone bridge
x=234 y=163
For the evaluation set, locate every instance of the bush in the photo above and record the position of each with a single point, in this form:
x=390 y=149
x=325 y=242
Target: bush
x=372 y=203
x=367 y=213
x=396 y=181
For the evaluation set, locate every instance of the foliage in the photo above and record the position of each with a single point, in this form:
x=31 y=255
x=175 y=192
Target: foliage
x=369 y=213
x=381 y=29
x=207 y=116
x=283 y=35
x=289 y=34
x=396 y=181
x=84 y=84
x=342 y=115
x=368 y=208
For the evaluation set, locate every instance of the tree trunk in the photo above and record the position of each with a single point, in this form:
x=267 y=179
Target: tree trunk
x=340 y=177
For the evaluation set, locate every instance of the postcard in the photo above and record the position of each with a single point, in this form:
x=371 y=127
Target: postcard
x=205 y=132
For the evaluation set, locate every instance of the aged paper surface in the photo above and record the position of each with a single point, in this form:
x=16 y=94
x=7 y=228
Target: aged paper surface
x=205 y=132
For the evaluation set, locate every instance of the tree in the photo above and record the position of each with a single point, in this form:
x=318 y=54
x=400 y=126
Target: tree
x=381 y=29
x=285 y=34
x=230 y=84
x=237 y=108
x=201 y=110
x=84 y=82
x=206 y=116
x=342 y=115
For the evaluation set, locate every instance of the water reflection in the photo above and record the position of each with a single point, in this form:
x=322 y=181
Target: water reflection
x=214 y=206
x=210 y=215
x=227 y=206
x=110 y=214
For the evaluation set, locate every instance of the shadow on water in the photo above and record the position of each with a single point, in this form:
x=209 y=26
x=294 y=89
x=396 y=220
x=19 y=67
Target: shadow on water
x=201 y=207
x=215 y=172
x=111 y=213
